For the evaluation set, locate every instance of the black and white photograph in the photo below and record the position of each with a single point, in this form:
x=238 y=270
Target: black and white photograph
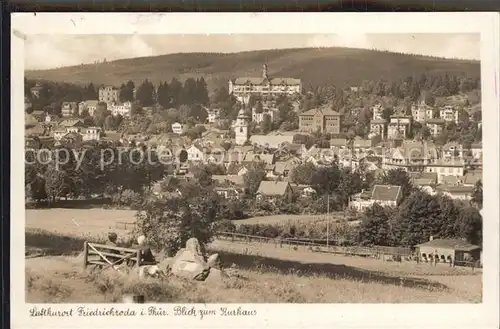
x=249 y=168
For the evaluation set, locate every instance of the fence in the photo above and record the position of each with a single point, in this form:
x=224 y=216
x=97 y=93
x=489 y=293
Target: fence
x=319 y=245
x=298 y=244
x=125 y=225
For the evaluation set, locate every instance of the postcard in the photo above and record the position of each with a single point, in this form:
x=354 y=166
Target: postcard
x=237 y=170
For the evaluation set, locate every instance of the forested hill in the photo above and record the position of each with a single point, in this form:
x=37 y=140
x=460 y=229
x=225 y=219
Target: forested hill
x=315 y=66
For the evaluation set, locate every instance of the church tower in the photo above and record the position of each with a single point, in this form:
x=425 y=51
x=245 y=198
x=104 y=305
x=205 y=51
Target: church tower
x=241 y=128
x=264 y=72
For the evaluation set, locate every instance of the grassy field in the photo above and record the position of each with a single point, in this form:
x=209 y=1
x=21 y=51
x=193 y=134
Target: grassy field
x=78 y=222
x=315 y=66
x=266 y=274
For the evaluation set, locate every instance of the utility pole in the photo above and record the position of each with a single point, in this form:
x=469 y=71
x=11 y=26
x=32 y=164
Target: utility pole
x=328 y=221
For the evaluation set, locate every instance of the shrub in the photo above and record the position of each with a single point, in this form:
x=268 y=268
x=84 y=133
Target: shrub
x=225 y=226
x=169 y=223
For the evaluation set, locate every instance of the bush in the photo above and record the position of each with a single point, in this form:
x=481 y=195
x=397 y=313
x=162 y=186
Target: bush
x=225 y=226
x=341 y=232
x=127 y=198
x=169 y=223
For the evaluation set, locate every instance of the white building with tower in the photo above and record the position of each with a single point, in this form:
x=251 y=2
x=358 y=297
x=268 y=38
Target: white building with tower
x=241 y=128
x=265 y=85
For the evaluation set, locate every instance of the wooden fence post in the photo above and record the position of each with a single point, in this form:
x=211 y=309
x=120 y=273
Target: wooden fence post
x=85 y=254
x=138 y=255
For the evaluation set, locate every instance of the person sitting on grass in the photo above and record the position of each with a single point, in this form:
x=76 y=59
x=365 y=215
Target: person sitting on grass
x=147 y=257
x=112 y=238
x=190 y=261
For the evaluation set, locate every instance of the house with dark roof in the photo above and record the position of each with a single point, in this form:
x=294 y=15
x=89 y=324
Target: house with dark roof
x=39 y=115
x=72 y=138
x=387 y=195
x=273 y=190
x=456 y=251
x=384 y=195
x=254 y=157
x=67 y=123
x=284 y=168
x=472 y=177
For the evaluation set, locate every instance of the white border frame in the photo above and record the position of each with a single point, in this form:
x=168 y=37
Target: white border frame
x=483 y=315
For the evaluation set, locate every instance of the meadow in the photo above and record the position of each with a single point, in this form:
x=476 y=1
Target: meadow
x=266 y=273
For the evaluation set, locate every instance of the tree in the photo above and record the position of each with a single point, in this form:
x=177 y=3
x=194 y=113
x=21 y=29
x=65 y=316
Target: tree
x=386 y=114
x=267 y=125
x=204 y=176
x=189 y=92
x=254 y=176
x=258 y=107
x=448 y=216
x=226 y=145
x=350 y=183
x=127 y=92
x=57 y=183
x=374 y=229
x=174 y=93
x=306 y=140
x=90 y=92
x=169 y=223
x=477 y=195
x=201 y=92
x=326 y=179
x=303 y=173
x=470 y=225
x=417 y=219
x=145 y=93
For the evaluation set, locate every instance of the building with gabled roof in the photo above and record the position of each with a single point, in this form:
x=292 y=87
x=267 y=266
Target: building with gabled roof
x=387 y=195
x=272 y=190
x=324 y=120
x=446 y=167
x=445 y=251
x=384 y=195
x=243 y=87
x=457 y=192
x=410 y=156
x=472 y=177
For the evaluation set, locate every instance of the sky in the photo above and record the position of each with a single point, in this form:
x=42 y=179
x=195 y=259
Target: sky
x=52 y=51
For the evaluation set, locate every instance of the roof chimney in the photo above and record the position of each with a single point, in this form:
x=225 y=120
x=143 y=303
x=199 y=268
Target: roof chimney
x=431 y=238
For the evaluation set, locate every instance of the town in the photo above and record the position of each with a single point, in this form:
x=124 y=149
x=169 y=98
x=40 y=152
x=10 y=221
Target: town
x=383 y=164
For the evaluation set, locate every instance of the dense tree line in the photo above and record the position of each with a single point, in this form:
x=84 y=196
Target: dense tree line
x=418 y=218
x=93 y=169
x=52 y=94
